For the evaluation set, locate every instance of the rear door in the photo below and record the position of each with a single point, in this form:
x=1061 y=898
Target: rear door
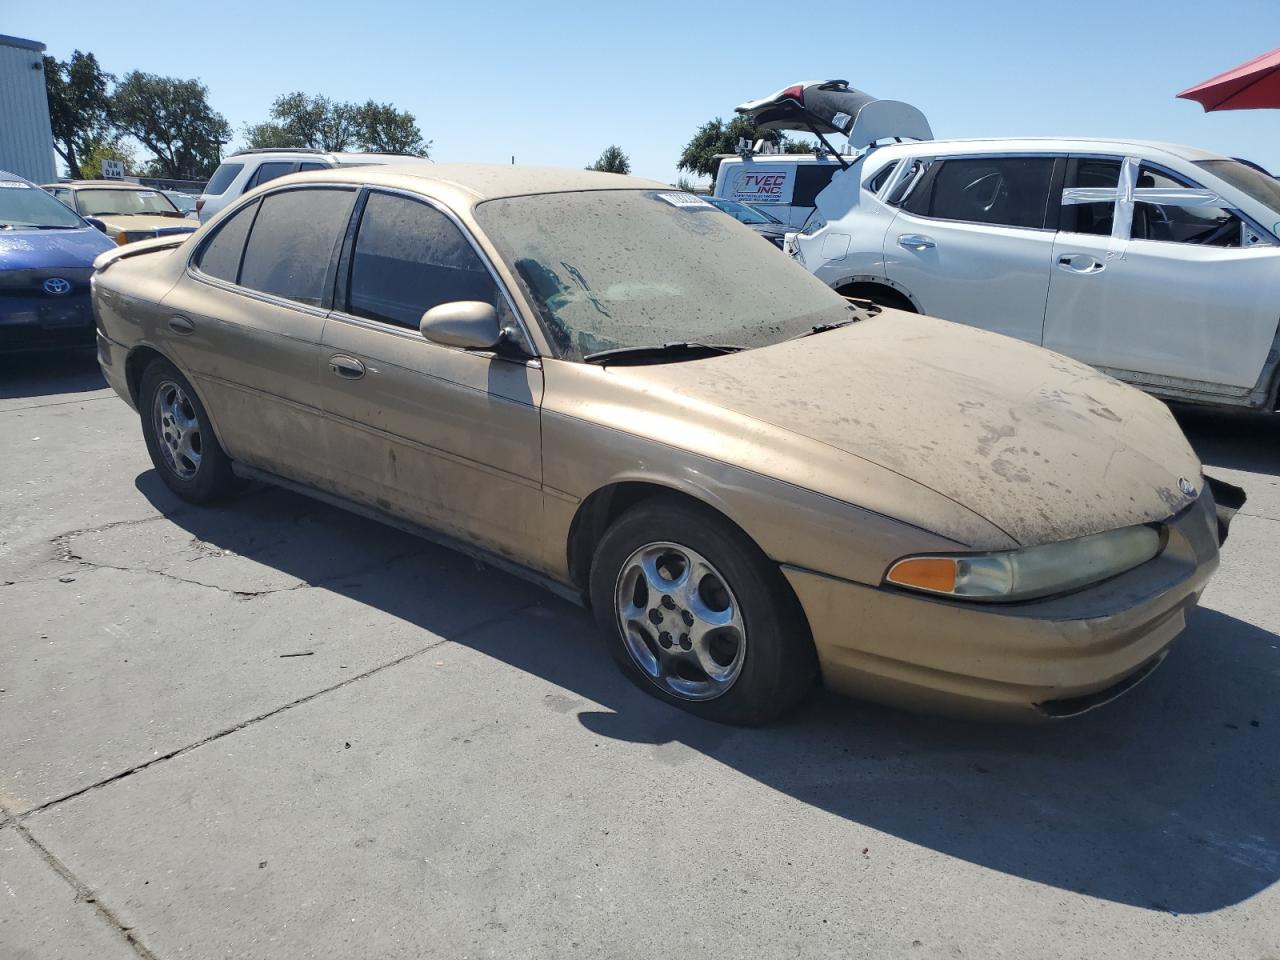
x=247 y=322
x=445 y=437
x=1155 y=277
x=973 y=240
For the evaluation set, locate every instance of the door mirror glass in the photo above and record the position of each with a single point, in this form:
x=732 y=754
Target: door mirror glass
x=469 y=324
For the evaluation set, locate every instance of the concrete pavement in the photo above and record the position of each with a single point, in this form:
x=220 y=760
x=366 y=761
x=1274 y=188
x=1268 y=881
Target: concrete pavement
x=271 y=729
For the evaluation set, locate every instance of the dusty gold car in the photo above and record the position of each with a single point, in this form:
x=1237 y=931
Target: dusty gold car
x=613 y=388
x=126 y=212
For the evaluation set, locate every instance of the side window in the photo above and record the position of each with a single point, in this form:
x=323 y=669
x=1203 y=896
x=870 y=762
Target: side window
x=222 y=178
x=1003 y=191
x=410 y=257
x=291 y=246
x=881 y=177
x=221 y=254
x=1093 y=217
x=312 y=165
x=905 y=193
x=1173 y=210
x=269 y=171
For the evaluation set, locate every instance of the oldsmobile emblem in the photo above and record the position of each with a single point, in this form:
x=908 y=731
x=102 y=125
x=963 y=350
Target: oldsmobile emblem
x=56 y=286
x=1187 y=486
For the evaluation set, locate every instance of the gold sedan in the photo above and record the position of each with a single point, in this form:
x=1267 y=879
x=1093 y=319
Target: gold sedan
x=126 y=212
x=611 y=387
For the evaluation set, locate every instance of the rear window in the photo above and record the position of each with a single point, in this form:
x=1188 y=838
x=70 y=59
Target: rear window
x=291 y=248
x=222 y=178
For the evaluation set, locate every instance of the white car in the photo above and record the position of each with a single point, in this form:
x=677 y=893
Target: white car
x=246 y=169
x=1158 y=264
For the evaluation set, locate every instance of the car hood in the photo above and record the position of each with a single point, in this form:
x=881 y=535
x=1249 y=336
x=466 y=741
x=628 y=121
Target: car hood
x=50 y=249
x=143 y=222
x=1039 y=445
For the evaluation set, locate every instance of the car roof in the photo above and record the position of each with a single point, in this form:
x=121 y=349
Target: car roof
x=102 y=185
x=477 y=181
x=1048 y=144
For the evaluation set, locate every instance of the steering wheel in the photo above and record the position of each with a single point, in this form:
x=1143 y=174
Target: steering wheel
x=1218 y=234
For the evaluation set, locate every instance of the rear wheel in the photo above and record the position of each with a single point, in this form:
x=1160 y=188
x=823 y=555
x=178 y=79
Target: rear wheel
x=180 y=438
x=697 y=615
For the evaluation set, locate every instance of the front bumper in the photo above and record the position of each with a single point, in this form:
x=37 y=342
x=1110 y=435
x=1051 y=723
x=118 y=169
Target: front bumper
x=45 y=323
x=1047 y=658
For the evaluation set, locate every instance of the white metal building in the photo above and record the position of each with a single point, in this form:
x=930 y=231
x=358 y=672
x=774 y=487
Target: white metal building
x=26 y=140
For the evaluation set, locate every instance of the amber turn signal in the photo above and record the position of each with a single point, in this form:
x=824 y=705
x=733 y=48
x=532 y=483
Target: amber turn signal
x=937 y=574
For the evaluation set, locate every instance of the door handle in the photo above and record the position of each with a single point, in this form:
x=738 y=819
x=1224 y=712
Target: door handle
x=181 y=326
x=349 y=368
x=916 y=241
x=1081 y=263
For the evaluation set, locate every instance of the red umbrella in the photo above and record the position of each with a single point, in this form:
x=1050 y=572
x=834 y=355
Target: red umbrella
x=1247 y=87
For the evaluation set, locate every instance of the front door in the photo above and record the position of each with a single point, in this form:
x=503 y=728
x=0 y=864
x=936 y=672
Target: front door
x=1158 y=279
x=970 y=242
x=444 y=437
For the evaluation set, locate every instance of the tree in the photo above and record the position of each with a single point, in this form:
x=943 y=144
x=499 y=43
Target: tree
x=269 y=134
x=717 y=137
x=384 y=129
x=173 y=120
x=612 y=160
x=79 y=107
x=107 y=148
x=302 y=120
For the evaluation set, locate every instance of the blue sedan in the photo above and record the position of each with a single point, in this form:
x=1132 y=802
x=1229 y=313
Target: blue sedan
x=46 y=258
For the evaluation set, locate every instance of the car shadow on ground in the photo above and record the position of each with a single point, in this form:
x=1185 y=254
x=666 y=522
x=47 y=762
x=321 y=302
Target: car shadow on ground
x=1164 y=800
x=1249 y=442
x=45 y=374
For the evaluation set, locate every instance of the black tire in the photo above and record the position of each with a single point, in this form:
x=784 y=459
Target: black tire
x=779 y=664
x=211 y=479
x=882 y=296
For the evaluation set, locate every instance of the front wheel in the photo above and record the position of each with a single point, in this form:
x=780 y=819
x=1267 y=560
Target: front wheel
x=180 y=438
x=697 y=615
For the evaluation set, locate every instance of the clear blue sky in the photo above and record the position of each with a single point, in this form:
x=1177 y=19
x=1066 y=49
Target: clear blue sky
x=555 y=82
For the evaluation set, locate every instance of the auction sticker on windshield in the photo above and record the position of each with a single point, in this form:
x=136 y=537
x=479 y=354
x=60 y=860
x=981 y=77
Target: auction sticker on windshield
x=15 y=185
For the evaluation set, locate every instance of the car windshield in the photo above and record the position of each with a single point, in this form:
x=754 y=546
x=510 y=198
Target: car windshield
x=183 y=202
x=1259 y=186
x=630 y=268
x=741 y=212
x=114 y=202
x=23 y=205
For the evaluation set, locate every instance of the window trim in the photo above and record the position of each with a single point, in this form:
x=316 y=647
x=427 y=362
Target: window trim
x=342 y=277
x=228 y=212
x=936 y=163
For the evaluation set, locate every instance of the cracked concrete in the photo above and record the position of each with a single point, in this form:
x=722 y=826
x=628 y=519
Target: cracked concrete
x=455 y=767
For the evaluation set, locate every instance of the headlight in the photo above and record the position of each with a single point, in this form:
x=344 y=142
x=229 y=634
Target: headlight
x=1033 y=572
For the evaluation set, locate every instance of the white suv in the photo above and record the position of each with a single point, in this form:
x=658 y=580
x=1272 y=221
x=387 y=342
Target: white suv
x=1158 y=264
x=247 y=169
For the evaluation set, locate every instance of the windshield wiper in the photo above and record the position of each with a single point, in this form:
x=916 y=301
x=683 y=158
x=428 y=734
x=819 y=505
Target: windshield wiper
x=678 y=350
x=824 y=327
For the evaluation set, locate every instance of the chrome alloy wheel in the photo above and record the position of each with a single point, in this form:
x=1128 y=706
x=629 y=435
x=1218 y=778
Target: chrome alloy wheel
x=680 y=622
x=177 y=429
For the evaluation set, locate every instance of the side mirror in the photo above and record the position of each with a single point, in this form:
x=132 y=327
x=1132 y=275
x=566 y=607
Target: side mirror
x=95 y=222
x=469 y=324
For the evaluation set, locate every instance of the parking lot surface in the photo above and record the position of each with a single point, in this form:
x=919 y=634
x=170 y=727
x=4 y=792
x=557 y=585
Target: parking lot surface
x=270 y=729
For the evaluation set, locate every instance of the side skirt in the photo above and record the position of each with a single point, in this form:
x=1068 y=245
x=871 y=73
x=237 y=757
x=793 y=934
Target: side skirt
x=484 y=556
